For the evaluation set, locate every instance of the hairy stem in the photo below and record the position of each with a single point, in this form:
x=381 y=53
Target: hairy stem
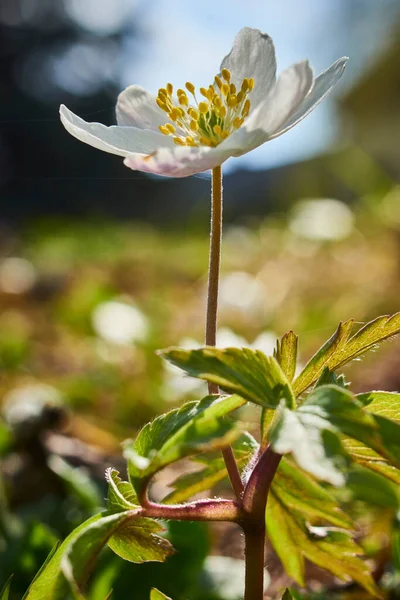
x=212 y=305
x=256 y=493
x=201 y=510
x=254 y=553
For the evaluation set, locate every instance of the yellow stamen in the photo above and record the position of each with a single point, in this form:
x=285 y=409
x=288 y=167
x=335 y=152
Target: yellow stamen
x=179 y=142
x=222 y=112
x=246 y=108
x=194 y=126
x=163 y=129
x=232 y=101
x=203 y=92
x=237 y=122
x=183 y=100
x=232 y=88
x=170 y=127
x=245 y=85
x=203 y=108
x=190 y=141
x=173 y=115
x=170 y=88
x=218 y=81
x=193 y=113
x=225 y=89
x=226 y=75
x=190 y=87
x=225 y=134
x=217 y=130
x=251 y=84
x=162 y=104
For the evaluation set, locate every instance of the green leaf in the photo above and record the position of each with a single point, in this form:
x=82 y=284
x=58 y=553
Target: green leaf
x=366 y=338
x=371 y=487
x=5 y=592
x=332 y=550
x=69 y=566
x=385 y=404
x=249 y=373
x=286 y=354
x=121 y=495
x=215 y=471
x=157 y=595
x=195 y=427
x=136 y=541
x=370 y=459
x=287 y=595
x=297 y=490
x=310 y=432
x=321 y=359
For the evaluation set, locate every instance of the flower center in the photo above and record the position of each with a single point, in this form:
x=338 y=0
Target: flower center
x=210 y=121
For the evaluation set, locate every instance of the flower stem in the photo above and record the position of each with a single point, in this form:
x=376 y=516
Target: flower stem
x=212 y=305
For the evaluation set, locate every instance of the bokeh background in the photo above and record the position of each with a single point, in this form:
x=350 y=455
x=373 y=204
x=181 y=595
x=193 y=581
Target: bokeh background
x=100 y=266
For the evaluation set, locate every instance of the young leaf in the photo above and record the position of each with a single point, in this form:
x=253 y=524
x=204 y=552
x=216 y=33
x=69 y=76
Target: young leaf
x=136 y=541
x=309 y=433
x=321 y=359
x=330 y=549
x=287 y=595
x=286 y=354
x=215 y=471
x=157 y=595
x=121 y=495
x=366 y=457
x=5 y=592
x=365 y=339
x=297 y=490
x=195 y=427
x=249 y=373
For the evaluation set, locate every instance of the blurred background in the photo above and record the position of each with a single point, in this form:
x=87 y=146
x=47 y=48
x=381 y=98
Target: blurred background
x=100 y=266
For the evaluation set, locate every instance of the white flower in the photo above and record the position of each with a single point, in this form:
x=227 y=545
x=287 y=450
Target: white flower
x=179 y=135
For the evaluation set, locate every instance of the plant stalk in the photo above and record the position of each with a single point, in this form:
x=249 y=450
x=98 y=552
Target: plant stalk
x=212 y=305
x=254 y=536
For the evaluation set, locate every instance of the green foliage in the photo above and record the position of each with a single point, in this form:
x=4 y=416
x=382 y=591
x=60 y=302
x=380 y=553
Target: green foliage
x=373 y=488
x=157 y=595
x=330 y=549
x=5 y=592
x=121 y=495
x=193 y=428
x=287 y=595
x=297 y=490
x=322 y=357
x=249 y=373
x=341 y=349
x=286 y=354
x=189 y=484
x=311 y=432
x=136 y=540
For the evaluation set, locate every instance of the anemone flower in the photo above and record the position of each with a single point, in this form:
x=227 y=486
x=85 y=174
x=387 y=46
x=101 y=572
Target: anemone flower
x=179 y=134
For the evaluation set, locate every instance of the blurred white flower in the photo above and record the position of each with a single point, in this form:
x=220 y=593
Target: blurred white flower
x=17 y=275
x=322 y=219
x=243 y=108
x=120 y=323
x=242 y=291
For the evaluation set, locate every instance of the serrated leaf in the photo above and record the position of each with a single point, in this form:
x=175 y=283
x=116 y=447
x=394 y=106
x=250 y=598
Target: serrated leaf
x=310 y=432
x=5 y=592
x=121 y=495
x=157 y=595
x=372 y=488
x=332 y=550
x=367 y=338
x=136 y=541
x=215 y=471
x=286 y=354
x=321 y=359
x=370 y=459
x=297 y=490
x=249 y=373
x=386 y=404
x=195 y=427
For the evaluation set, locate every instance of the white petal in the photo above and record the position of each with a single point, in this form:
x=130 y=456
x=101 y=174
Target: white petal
x=292 y=87
x=115 y=139
x=180 y=161
x=138 y=108
x=252 y=55
x=323 y=85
